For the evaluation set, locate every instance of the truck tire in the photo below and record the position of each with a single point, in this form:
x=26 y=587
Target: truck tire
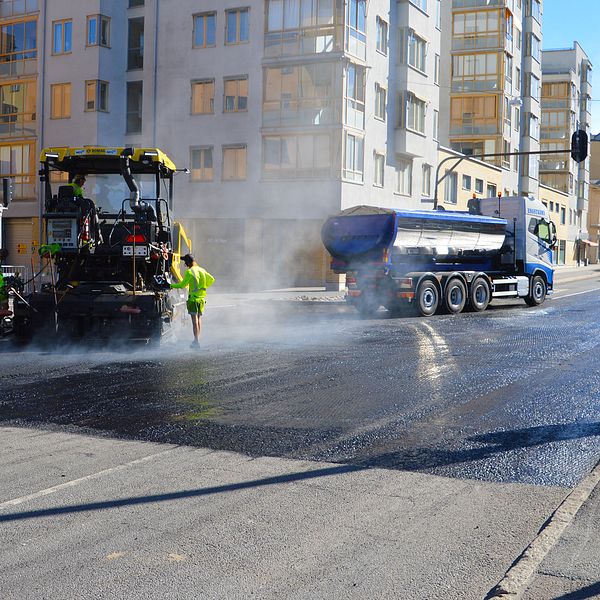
x=480 y=295
x=427 y=299
x=538 y=292
x=455 y=296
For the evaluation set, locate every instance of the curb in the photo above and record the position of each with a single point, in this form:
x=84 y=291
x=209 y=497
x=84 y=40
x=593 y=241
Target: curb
x=522 y=572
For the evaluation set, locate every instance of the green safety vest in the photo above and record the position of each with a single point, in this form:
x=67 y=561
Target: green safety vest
x=197 y=280
x=3 y=290
x=77 y=191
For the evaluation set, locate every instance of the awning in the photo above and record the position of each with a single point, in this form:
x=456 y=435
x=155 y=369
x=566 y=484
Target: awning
x=589 y=243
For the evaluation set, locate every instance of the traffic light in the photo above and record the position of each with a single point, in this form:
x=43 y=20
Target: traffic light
x=7 y=191
x=579 y=146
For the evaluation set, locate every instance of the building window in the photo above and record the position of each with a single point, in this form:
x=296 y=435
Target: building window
x=517 y=118
x=135 y=44
x=17 y=161
x=237 y=29
x=417 y=51
x=436 y=120
x=18 y=42
x=355 y=96
x=533 y=86
x=134 y=3
x=532 y=47
x=297 y=156
x=201 y=160
x=98 y=31
x=533 y=9
x=517 y=79
x=415 y=113
x=205 y=30
x=438 y=14
x=563 y=215
x=354 y=154
x=380 y=102
x=475 y=73
x=356 y=28
x=18 y=108
x=96 y=95
x=436 y=70
x=492 y=190
x=479 y=186
x=234 y=163
x=134 y=106
x=451 y=188
x=62 y=32
x=236 y=94
x=466 y=182
x=404 y=177
x=379 y=170
x=60 y=101
x=382 y=36
x=532 y=124
x=203 y=97
x=426 y=181
x=422 y=4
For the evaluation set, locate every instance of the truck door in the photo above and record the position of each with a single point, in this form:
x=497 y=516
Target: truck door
x=541 y=237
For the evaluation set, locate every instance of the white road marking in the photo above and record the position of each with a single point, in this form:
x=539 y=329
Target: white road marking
x=74 y=482
x=556 y=297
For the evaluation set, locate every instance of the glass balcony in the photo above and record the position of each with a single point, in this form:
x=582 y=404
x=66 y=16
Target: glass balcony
x=480 y=3
x=15 y=8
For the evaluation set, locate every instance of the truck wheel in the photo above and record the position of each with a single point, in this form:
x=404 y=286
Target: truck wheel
x=455 y=296
x=428 y=298
x=538 y=292
x=480 y=295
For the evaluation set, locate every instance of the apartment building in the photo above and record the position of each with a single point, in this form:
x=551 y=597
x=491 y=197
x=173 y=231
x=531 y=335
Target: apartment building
x=491 y=68
x=20 y=91
x=566 y=106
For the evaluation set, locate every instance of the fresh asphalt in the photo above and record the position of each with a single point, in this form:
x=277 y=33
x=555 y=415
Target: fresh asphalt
x=302 y=453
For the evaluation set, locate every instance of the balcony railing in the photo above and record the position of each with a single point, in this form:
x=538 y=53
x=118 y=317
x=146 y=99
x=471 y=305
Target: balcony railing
x=480 y=3
x=15 y=8
x=18 y=68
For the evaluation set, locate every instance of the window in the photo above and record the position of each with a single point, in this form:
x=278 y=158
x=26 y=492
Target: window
x=404 y=177
x=436 y=70
x=466 y=182
x=297 y=156
x=18 y=42
x=205 y=30
x=517 y=118
x=533 y=86
x=518 y=38
x=203 y=97
x=438 y=14
x=422 y=4
x=96 y=95
x=417 y=51
x=237 y=26
x=532 y=124
x=379 y=170
x=475 y=72
x=18 y=107
x=426 y=181
x=492 y=190
x=436 y=120
x=517 y=79
x=60 y=101
x=134 y=3
x=415 y=113
x=563 y=215
x=234 y=163
x=62 y=33
x=532 y=46
x=533 y=9
x=134 y=106
x=382 y=36
x=451 y=187
x=135 y=44
x=479 y=186
x=236 y=94
x=354 y=153
x=380 y=102
x=356 y=19
x=355 y=96
x=201 y=160
x=98 y=31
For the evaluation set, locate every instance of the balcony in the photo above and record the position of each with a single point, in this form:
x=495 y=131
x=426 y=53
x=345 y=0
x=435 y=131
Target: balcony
x=480 y=3
x=582 y=203
x=17 y=126
x=15 y=8
x=411 y=143
x=19 y=68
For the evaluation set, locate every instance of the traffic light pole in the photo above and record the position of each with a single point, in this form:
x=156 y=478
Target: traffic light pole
x=479 y=157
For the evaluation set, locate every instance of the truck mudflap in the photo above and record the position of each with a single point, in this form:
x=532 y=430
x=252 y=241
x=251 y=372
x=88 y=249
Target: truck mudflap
x=81 y=316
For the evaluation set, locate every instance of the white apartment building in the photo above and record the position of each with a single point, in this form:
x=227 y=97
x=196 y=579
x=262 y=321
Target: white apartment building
x=566 y=106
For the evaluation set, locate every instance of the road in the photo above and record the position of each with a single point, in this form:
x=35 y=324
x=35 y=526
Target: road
x=481 y=423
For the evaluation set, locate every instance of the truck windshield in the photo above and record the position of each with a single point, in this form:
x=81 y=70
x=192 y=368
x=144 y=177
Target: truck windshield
x=109 y=191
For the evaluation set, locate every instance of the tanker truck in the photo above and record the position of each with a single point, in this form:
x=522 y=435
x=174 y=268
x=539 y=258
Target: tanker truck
x=438 y=260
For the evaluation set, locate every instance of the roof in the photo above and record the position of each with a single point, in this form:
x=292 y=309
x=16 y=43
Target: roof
x=102 y=159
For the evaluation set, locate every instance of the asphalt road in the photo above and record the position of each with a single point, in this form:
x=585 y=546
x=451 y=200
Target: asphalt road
x=500 y=405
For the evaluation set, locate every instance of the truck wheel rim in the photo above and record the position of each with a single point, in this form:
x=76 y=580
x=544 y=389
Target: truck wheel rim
x=481 y=295
x=429 y=298
x=538 y=291
x=456 y=296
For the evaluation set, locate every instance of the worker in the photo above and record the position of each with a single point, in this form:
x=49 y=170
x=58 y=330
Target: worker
x=197 y=280
x=77 y=185
x=3 y=294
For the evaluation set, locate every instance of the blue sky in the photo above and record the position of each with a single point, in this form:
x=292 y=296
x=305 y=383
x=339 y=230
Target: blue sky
x=566 y=21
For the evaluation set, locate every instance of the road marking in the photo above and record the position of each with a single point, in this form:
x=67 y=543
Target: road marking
x=517 y=578
x=574 y=294
x=74 y=482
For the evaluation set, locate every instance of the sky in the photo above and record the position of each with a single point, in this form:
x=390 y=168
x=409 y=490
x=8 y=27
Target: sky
x=576 y=20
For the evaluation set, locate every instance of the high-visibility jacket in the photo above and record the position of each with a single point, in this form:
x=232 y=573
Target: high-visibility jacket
x=196 y=279
x=77 y=190
x=3 y=290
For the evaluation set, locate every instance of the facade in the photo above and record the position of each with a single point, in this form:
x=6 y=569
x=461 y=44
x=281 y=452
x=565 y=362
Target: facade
x=566 y=106
x=491 y=66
